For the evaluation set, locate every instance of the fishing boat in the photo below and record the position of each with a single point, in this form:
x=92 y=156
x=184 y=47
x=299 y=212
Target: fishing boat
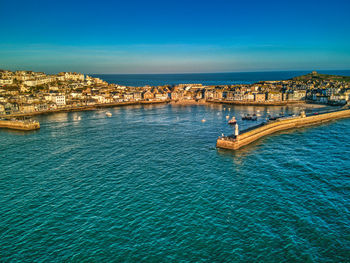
x=232 y=121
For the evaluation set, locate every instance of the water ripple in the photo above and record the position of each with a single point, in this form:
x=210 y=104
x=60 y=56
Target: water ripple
x=148 y=184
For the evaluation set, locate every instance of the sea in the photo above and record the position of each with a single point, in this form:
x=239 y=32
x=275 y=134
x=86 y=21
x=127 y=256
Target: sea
x=139 y=80
x=148 y=185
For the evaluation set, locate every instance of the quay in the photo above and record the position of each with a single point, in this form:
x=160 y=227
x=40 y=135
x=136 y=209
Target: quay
x=236 y=141
x=82 y=108
x=255 y=103
x=24 y=125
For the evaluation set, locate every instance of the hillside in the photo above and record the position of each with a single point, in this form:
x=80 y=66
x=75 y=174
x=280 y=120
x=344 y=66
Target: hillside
x=321 y=77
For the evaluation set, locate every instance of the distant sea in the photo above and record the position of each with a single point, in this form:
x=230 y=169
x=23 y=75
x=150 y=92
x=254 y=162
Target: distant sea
x=206 y=78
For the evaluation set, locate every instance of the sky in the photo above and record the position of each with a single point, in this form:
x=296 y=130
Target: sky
x=122 y=37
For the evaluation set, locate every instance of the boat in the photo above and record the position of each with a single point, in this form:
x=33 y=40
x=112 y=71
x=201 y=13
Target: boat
x=232 y=121
x=227 y=117
x=108 y=114
x=271 y=118
x=203 y=120
x=249 y=117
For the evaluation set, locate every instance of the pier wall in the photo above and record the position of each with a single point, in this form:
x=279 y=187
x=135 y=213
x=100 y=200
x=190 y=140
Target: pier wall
x=19 y=125
x=257 y=103
x=278 y=125
x=83 y=108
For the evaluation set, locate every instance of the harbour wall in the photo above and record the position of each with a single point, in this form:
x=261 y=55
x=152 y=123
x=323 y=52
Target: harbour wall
x=256 y=103
x=83 y=108
x=20 y=125
x=252 y=135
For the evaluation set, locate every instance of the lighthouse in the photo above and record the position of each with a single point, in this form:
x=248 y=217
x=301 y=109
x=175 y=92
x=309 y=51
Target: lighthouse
x=236 y=130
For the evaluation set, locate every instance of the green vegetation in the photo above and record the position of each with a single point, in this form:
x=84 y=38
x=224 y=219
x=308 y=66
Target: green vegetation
x=321 y=77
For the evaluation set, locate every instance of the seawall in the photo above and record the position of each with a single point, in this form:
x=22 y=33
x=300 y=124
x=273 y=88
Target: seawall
x=252 y=135
x=20 y=125
x=256 y=103
x=83 y=108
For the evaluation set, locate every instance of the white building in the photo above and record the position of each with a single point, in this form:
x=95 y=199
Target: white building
x=72 y=76
x=60 y=100
x=6 y=81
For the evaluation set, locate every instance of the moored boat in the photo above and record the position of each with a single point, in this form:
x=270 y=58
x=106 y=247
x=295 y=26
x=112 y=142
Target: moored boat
x=249 y=117
x=271 y=118
x=232 y=121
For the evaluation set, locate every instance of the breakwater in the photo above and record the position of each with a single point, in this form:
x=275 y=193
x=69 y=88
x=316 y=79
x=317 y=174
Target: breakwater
x=252 y=134
x=26 y=125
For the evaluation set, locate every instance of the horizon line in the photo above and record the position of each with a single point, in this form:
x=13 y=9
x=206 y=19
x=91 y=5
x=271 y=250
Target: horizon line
x=189 y=73
x=221 y=72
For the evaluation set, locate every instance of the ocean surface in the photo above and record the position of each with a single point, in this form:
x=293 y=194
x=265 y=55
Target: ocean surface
x=206 y=78
x=149 y=185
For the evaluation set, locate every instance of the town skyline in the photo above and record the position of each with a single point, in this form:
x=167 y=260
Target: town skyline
x=28 y=92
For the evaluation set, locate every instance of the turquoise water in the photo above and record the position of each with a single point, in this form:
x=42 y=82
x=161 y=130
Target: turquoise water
x=148 y=185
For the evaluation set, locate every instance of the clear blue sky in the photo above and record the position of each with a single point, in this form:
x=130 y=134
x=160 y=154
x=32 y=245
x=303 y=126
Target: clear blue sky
x=174 y=36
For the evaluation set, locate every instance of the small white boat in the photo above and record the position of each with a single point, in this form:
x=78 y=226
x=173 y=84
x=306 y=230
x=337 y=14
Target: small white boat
x=203 y=120
x=227 y=117
x=108 y=114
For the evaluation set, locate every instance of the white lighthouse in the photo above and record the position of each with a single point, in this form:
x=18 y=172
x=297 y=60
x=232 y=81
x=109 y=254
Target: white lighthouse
x=236 y=130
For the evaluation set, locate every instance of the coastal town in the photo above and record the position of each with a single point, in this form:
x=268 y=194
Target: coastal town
x=28 y=92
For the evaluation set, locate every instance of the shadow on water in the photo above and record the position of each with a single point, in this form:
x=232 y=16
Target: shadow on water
x=18 y=132
x=238 y=156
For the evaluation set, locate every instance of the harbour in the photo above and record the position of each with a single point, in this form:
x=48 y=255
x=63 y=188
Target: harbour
x=106 y=178
x=175 y=131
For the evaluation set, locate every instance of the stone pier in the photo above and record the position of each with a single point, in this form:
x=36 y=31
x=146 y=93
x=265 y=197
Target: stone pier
x=251 y=135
